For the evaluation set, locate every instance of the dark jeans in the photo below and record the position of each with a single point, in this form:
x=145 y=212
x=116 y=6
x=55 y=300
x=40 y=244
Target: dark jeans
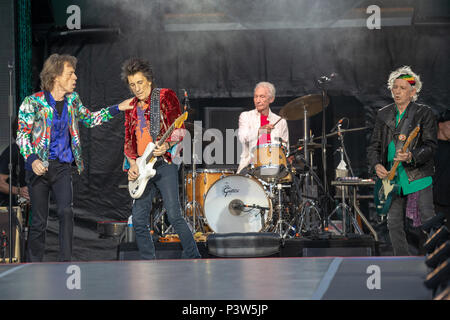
x=58 y=180
x=166 y=180
x=396 y=219
x=446 y=211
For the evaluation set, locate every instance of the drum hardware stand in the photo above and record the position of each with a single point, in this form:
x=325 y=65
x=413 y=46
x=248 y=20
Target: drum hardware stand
x=160 y=217
x=305 y=218
x=309 y=180
x=306 y=141
x=310 y=176
x=307 y=205
x=281 y=222
x=345 y=209
x=321 y=83
x=196 y=209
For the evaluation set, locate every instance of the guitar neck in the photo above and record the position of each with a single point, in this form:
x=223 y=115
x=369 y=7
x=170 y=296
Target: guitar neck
x=160 y=142
x=396 y=163
x=178 y=122
x=393 y=170
x=412 y=135
x=167 y=134
x=163 y=139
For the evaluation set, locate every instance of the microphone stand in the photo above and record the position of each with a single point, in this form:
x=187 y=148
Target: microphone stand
x=10 y=209
x=324 y=153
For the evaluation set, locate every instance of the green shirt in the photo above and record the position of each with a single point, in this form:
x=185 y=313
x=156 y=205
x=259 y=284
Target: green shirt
x=401 y=178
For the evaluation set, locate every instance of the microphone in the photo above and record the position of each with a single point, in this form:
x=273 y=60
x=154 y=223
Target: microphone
x=324 y=79
x=337 y=124
x=296 y=149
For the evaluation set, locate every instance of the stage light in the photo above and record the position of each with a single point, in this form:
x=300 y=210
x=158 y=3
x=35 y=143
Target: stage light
x=439 y=255
x=436 y=239
x=439 y=275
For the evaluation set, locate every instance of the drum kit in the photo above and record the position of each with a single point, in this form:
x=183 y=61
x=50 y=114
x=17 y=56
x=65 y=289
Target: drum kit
x=278 y=193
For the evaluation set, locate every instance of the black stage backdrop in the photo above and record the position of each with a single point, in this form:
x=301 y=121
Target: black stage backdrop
x=219 y=67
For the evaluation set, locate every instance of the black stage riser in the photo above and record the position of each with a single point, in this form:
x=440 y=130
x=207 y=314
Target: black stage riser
x=342 y=247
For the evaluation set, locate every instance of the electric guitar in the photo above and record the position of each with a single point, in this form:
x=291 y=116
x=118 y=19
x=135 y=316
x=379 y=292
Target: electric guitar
x=385 y=189
x=146 y=162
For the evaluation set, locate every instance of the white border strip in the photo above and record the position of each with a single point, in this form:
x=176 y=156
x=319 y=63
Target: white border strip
x=12 y=270
x=327 y=278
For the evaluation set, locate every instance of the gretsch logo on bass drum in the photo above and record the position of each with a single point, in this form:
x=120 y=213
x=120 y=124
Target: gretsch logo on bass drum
x=227 y=190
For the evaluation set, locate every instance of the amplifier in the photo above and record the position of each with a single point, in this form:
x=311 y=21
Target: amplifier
x=4 y=227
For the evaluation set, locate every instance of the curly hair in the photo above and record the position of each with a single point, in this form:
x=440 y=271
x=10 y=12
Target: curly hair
x=405 y=70
x=53 y=67
x=135 y=65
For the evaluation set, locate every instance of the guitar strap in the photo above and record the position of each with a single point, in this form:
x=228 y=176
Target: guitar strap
x=401 y=133
x=155 y=114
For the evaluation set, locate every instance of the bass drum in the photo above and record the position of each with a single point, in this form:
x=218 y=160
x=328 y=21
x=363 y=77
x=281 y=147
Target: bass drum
x=225 y=210
x=205 y=179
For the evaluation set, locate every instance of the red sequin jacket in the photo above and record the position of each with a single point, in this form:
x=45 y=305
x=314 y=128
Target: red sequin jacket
x=169 y=110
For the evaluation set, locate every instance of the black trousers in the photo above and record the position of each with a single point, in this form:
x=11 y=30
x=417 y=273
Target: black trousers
x=58 y=180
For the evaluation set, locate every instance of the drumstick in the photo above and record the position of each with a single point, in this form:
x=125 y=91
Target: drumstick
x=277 y=122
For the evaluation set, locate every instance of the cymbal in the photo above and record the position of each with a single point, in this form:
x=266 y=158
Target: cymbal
x=294 y=110
x=342 y=131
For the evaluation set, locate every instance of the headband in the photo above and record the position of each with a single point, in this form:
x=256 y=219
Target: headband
x=408 y=78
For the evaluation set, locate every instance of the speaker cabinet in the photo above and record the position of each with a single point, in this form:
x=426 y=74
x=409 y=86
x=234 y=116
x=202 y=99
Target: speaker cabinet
x=171 y=250
x=4 y=227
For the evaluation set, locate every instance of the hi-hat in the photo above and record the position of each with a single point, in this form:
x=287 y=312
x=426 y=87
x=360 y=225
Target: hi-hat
x=294 y=110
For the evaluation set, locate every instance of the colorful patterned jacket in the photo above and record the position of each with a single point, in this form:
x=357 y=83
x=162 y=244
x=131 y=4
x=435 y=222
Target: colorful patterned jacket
x=35 y=124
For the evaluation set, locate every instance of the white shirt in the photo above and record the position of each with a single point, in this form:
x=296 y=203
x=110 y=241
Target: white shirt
x=249 y=124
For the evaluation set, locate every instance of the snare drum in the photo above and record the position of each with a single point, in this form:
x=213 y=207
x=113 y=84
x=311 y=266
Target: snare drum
x=205 y=179
x=237 y=204
x=269 y=162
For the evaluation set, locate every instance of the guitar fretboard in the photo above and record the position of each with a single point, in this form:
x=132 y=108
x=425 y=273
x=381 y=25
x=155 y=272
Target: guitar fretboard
x=412 y=135
x=163 y=139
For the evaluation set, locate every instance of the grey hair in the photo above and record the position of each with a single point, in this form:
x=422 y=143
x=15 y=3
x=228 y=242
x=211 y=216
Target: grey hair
x=401 y=71
x=268 y=86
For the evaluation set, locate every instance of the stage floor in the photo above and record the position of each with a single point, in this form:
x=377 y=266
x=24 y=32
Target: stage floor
x=326 y=278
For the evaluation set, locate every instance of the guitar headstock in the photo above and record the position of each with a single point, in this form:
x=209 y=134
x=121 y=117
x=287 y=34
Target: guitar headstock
x=179 y=121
